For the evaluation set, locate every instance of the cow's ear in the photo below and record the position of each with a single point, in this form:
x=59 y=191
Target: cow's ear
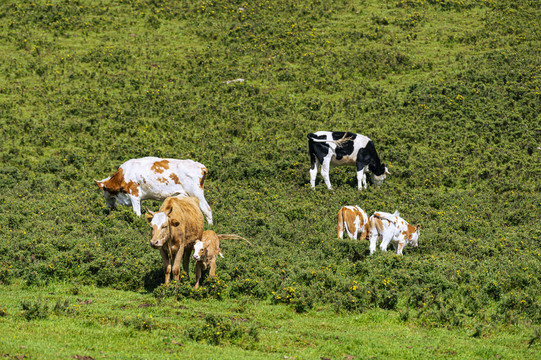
x=99 y=183
x=149 y=217
x=418 y=227
x=175 y=222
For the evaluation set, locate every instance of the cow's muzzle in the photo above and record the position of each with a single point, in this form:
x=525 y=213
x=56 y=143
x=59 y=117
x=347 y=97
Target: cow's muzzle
x=155 y=244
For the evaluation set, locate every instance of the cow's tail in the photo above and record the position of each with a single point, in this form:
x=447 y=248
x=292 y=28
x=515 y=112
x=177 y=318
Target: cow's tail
x=375 y=223
x=340 y=225
x=232 y=237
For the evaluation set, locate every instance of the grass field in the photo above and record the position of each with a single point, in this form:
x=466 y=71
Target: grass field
x=448 y=90
x=105 y=323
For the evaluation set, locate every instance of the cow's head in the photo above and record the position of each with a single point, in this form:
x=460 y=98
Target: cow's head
x=161 y=224
x=413 y=240
x=378 y=179
x=110 y=197
x=199 y=250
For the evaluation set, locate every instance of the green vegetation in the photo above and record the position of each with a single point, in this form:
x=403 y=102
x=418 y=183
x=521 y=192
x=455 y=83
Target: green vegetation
x=449 y=90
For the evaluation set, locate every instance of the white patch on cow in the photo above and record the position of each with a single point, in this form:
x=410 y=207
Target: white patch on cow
x=197 y=248
x=357 y=224
x=159 y=220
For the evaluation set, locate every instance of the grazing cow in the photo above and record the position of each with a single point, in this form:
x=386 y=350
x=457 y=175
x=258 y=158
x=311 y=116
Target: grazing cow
x=155 y=178
x=354 y=220
x=207 y=250
x=344 y=148
x=175 y=229
x=392 y=228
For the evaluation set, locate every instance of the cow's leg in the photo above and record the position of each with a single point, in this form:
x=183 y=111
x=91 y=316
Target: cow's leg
x=176 y=263
x=166 y=265
x=136 y=204
x=325 y=168
x=387 y=237
x=313 y=170
x=199 y=193
x=361 y=179
x=362 y=168
x=197 y=273
x=205 y=208
x=373 y=243
x=212 y=268
x=361 y=175
x=399 y=248
x=186 y=260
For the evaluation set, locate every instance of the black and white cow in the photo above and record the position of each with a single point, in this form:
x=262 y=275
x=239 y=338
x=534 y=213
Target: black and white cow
x=344 y=148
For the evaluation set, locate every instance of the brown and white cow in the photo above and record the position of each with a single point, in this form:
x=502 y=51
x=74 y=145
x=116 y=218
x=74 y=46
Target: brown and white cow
x=392 y=228
x=156 y=179
x=175 y=229
x=207 y=250
x=354 y=221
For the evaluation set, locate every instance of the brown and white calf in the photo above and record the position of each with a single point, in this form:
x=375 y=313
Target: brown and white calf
x=156 y=179
x=175 y=229
x=354 y=221
x=207 y=250
x=391 y=228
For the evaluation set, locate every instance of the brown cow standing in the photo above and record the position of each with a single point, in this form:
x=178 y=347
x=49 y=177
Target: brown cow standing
x=354 y=221
x=175 y=228
x=207 y=250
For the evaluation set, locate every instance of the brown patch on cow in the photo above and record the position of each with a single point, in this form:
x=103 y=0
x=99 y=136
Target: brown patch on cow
x=366 y=230
x=175 y=178
x=132 y=188
x=409 y=232
x=163 y=180
x=117 y=184
x=114 y=184
x=160 y=166
x=378 y=223
x=203 y=177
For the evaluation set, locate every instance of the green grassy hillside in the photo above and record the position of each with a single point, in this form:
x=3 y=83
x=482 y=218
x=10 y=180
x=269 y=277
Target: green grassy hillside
x=448 y=90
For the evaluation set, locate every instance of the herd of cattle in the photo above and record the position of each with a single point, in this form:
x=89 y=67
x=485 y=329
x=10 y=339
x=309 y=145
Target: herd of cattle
x=178 y=226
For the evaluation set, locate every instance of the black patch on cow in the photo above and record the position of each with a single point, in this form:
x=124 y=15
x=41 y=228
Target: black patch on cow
x=346 y=148
x=317 y=150
x=369 y=156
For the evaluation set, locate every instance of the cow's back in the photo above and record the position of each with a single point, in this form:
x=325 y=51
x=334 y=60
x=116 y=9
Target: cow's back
x=150 y=166
x=212 y=242
x=186 y=211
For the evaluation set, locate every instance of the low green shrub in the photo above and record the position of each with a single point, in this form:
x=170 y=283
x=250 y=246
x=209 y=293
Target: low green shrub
x=140 y=323
x=300 y=298
x=217 y=329
x=35 y=310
